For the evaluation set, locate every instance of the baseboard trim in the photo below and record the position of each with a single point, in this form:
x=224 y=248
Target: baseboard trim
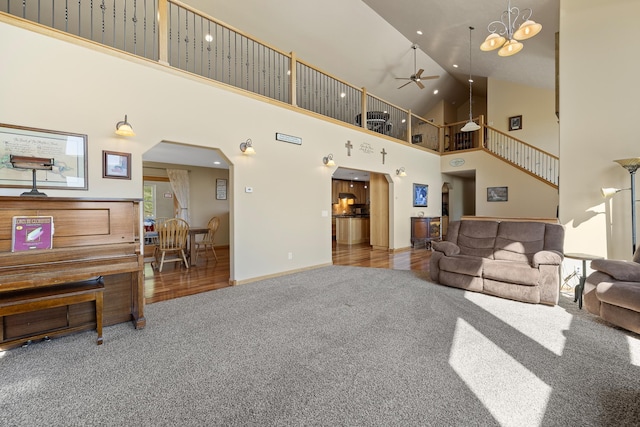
x=282 y=273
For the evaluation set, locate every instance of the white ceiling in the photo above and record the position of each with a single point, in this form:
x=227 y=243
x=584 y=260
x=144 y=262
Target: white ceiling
x=368 y=44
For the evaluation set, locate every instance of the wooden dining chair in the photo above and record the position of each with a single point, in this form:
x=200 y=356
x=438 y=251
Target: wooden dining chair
x=207 y=240
x=172 y=240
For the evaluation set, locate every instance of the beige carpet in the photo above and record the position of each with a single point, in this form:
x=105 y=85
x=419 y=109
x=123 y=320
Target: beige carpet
x=333 y=346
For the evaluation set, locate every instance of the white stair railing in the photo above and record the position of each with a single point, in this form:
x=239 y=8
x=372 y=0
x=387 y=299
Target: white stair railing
x=530 y=159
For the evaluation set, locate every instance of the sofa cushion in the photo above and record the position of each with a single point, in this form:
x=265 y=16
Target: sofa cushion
x=477 y=238
x=520 y=273
x=519 y=241
x=618 y=269
x=446 y=248
x=462 y=264
x=515 y=292
x=621 y=294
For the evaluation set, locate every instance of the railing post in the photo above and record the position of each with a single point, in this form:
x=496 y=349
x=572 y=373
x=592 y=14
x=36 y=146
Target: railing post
x=409 y=132
x=363 y=115
x=163 y=29
x=293 y=77
x=481 y=139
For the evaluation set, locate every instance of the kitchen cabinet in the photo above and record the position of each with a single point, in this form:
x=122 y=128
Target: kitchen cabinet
x=358 y=190
x=350 y=231
x=425 y=230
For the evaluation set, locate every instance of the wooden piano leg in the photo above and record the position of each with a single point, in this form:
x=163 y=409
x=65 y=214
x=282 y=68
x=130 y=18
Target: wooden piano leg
x=99 y=306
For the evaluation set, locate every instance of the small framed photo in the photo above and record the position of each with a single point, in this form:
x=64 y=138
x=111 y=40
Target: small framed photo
x=420 y=193
x=497 y=194
x=221 y=189
x=116 y=165
x=515 y=122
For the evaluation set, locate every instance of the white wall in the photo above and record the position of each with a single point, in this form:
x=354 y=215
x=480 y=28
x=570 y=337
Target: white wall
x=598 y=116
x=81 y=89
x=536 y=106
x=528 y=196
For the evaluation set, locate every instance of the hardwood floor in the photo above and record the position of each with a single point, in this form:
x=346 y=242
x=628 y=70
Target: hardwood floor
x=176 y=281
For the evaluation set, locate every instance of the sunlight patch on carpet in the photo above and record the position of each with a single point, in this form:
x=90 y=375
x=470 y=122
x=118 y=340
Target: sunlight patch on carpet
x=634 y=350
x=512 y=394
x=543 y=324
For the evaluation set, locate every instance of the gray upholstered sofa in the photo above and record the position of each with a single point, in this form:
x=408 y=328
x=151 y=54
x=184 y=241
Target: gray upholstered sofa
x=612 y=291
x=519 y=260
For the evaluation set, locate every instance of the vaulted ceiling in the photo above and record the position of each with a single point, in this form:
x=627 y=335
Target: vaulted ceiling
x=368 y=42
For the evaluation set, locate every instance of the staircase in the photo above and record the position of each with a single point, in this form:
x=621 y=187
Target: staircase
x=519 y=154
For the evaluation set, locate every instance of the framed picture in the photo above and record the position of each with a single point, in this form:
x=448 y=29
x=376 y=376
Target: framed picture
x=497 y=194
x=116 y=165
x=420 y=193
x=515 y=122
x=68 y=150
x=221 y=189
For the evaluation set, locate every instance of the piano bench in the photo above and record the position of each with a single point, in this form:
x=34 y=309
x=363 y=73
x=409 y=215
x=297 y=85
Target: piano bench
x=34 y=299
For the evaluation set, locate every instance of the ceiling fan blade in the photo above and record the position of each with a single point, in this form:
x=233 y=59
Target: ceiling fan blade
x=429 y=77
x=420 y=71
x=403 y=78
x=404 y=85
x=420 y=85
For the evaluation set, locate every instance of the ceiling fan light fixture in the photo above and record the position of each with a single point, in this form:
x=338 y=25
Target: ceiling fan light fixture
x=492 y=42
x=527 y=30
x=511 y=47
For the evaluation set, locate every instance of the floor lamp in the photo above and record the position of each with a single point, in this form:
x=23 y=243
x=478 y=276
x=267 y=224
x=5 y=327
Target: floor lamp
x=632 y=166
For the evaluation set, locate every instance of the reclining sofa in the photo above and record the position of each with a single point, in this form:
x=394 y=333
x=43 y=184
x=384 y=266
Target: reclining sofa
x=612 y=291
x=518 y=260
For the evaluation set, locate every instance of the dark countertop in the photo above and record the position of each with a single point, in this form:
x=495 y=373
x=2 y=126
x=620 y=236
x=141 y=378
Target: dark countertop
x=352 y=216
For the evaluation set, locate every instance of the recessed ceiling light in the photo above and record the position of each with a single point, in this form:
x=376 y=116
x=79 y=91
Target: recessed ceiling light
x=342 y=95
x=435 y=92
x=419 y=32
x=216 y=163
x=208 y=37
x=455 y=65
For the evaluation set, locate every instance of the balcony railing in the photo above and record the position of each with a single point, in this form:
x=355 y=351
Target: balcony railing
x=176 y=34
x=173 y=33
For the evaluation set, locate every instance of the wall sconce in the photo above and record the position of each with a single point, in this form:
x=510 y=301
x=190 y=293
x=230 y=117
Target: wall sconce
x=124 y=128
x=328 y=161
x=608 y=192
x=247 y=147
x=33 y=163
x=401 y=172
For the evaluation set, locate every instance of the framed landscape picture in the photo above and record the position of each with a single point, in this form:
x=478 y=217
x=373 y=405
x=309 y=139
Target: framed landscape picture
x=116 y=165
x=497 y=194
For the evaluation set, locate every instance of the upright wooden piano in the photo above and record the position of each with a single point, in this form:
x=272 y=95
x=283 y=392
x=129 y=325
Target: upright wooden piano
x=92 y=276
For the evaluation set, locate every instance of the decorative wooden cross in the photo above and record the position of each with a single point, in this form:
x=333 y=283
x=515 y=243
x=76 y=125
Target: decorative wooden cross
x=349 y=147
x=384 y=153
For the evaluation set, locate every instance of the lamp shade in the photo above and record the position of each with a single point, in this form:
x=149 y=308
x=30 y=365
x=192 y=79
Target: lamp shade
x=492 y=42
x=511 y=47
x=608 y=192
x=527 y=30
x=124 y=128
x=470 y=126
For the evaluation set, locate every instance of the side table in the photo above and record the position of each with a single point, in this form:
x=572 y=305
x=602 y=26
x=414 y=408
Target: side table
x=579 y=289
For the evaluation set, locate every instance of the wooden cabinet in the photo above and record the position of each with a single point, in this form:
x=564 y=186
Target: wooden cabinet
x=350 y=231
x=425 y=230
x=358 y=190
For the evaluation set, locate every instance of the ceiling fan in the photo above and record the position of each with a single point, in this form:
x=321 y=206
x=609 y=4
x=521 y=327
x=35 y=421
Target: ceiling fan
x=417 y=76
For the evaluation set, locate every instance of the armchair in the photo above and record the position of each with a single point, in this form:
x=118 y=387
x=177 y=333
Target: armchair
x=612 y=291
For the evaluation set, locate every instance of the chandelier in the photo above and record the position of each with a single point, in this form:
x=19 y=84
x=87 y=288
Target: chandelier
x=504 y=34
